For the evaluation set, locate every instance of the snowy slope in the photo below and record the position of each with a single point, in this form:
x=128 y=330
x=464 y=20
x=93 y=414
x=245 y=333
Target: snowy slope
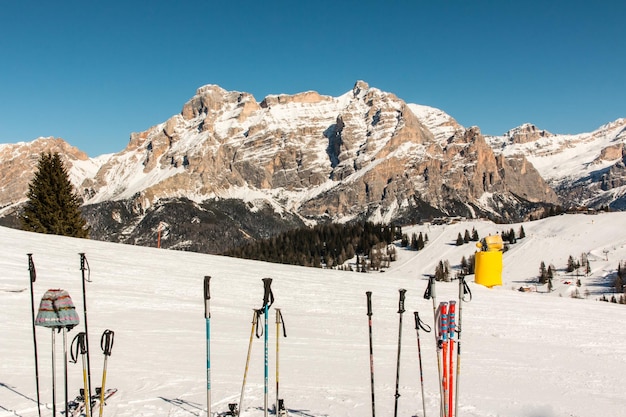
x=524 y=354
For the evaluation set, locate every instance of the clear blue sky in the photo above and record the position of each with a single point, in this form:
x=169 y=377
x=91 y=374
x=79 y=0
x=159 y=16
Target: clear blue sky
x=92 y=72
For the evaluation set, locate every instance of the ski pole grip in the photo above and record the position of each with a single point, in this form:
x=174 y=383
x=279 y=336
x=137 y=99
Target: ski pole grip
x=31 y=268
x=369 y=303
x=207 y=292
x=417 y=320
x=106 y=342
x=268 y=297
x=401 y=302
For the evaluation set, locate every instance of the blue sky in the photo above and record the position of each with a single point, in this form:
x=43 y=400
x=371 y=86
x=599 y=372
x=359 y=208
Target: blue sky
x=92 y=72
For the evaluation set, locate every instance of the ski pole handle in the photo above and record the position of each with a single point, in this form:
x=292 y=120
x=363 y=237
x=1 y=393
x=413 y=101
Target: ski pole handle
x=207 y=292
x=419 y=324
x=268 y=296
x=401 y=302
x=207 y=297
x=31 y=268
x=430 y=289
x=369 y=303
x=106 y=342
x=78 y=346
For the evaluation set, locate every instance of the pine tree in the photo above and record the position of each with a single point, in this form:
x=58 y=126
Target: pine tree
x=459 y=240
x=543 y=274
x=475 y=237
x=522 y=233
x=570 y=264
x=53 y=207
x=466 y=236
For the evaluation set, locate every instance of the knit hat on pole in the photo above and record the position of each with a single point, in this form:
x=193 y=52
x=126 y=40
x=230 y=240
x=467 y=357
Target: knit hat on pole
x=57 y=310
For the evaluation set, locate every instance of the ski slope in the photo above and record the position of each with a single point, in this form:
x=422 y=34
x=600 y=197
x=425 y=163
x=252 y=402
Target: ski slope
x=524 y=354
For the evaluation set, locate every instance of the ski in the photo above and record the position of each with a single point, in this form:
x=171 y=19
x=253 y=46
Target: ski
x=451 y=330
x=77 y=406
x=444 y=346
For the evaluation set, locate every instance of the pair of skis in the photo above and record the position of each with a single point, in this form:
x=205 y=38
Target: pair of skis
x=446 y=317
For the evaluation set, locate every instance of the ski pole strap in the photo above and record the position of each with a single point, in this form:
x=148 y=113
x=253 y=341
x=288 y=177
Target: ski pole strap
x=419 y=324
x=279 y=320
x=106 y=342
x=31 y=268
x=466 y=290
x=268 y=296
x=430 y=289
x=369 y=303
x=255 y=323
x=78 y=346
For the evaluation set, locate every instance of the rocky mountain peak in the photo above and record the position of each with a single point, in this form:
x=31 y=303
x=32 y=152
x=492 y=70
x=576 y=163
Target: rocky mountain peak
x=526 y=133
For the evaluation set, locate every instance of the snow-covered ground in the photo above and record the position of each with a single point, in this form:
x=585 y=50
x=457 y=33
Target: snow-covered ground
x=524 y=354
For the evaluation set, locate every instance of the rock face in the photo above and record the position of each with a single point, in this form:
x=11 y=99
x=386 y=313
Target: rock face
x=289 y=161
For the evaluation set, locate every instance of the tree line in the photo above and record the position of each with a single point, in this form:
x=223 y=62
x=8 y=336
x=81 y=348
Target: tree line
x=325 y=245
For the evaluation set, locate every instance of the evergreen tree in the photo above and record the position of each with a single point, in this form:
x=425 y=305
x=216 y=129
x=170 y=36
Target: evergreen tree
x=522 y=233
x=459 y=240
x=420 y=242
x=466 y=236
x=475 y=237
x=570 y=264
x=53 y=207
x=543 y=273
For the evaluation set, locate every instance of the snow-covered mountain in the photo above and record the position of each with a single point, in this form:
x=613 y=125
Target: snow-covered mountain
x=524 y=354
x=585 y=169
x=230 y=165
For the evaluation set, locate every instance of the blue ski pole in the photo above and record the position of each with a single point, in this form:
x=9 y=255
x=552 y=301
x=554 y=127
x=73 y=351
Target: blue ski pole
x=268 y=300
x=207 y=317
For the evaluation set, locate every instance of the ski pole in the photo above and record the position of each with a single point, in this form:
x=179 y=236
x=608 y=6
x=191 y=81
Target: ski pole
x=106 y=343
x=84 y=265
x=79 y=339
x=33 y=276
x=279 y=320
x=207 y=318
x=54 y=378
x=369 y=320
x=419 y=324
x=268 y=300
x=431 y=294
x=463 y=290
x=255 y=322
x=400 y=311
x=67 y=403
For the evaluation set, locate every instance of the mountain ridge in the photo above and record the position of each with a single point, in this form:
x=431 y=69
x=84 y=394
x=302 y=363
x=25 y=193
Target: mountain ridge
x=312 y=158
